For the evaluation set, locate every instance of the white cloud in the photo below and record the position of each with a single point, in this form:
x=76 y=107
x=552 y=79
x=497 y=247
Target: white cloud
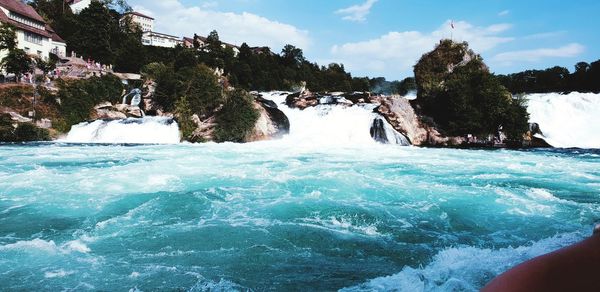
x=567 y=51
x=174 y=18
x=394 y=53
x=209 y=4
x=504 y=13
x=357 y=13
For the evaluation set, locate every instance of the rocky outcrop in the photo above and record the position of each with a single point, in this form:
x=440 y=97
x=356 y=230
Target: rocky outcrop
x=108 y=111
x=302 y=100
x=378 y=131
x=535 y=137
x=205 y=129
x=307 y=99
x=271 y=124
x=402 y=117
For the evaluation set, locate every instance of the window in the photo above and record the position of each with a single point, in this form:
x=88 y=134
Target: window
x=24 y=20
x=33 y=38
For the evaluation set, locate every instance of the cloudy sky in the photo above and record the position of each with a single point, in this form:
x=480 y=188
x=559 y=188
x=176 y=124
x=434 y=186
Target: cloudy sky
x=387 y=37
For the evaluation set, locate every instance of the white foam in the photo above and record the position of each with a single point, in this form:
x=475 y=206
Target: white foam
x=567 y=120
x=147 y=130
x=40 y=245
x=331 y=125
x=58 y=274
x=464 y=268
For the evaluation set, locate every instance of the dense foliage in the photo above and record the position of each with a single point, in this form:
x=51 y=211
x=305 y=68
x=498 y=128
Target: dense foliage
x=197 y=83
x=77 y=98
x=237 y=117
x=23 y=132
x=456 y=89
x=585 y=78
x=16 y=60
x=96 y=32
x=380 y=85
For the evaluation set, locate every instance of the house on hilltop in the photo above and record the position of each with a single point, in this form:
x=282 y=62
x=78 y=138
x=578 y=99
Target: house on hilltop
x=149 y=36
x=34 y=36
x=202 y=43
x=145 y=22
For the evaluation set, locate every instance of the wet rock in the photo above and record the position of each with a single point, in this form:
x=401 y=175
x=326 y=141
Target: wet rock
x=271 y=124
x=378 y=131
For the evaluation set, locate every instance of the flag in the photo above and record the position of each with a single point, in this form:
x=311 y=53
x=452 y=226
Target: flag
x=452 y=24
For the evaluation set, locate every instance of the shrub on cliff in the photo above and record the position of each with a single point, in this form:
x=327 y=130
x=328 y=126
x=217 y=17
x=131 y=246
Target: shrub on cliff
x=197 y=83
x=78 y=97
x=24 y=132
x=237 y=117
x=456 y=89
x=184 y=115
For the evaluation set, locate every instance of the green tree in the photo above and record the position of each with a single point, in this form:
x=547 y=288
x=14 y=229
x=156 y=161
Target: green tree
x=201 y=88
x=213 y=41
x=8 y=37
x=95 y=27
x=292 y=56
x=237 y=118
x=45 y=65
x=184 y=118
x=17 y=62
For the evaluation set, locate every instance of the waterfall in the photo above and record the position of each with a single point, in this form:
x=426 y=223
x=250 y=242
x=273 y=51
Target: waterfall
x=336 y=125
x=566 y=120
x=147 y=130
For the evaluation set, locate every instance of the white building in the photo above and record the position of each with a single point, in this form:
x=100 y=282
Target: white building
x=78 y=5
x=146 y=23
x=34 y=36
x=151 y=38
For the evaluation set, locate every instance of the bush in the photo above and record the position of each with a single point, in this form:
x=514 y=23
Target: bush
x=78 y=97
x=184 y=118
x=236 y=119
x=24 y=132
x=198 y=84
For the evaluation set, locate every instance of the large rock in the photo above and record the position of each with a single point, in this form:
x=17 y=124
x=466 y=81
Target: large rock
x=272 y=123
x=108 y=111
x=302 y=100
x=205 y=129
x=402 y=117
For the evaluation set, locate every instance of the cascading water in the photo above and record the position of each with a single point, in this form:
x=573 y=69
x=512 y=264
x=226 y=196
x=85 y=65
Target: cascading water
x=567 y=120
x=334 y=125
x=147 y=130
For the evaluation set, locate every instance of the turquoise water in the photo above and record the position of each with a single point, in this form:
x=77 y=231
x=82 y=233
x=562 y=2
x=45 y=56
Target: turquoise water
x=270 y=216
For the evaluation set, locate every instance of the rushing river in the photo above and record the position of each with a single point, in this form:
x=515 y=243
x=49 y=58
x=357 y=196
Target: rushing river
x=274 y=216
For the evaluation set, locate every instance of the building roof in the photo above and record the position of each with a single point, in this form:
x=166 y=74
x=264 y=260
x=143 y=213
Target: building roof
x=139 y=14
x=153 y=33
x=25 y=10
x=20 y=7
x=55 y=37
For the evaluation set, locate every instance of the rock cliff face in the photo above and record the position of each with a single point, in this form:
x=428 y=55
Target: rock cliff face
x=108 y=111
x=401 y=115
x=271 y=124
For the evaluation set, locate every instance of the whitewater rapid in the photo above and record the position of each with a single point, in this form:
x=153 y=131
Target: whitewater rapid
x=147 y=130
x=567 y=120
x=327 y=125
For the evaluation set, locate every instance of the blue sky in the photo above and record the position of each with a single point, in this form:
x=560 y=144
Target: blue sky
x=386 y=37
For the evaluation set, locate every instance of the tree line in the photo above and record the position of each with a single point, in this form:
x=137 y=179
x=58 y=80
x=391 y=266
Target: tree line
x=585 y=78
